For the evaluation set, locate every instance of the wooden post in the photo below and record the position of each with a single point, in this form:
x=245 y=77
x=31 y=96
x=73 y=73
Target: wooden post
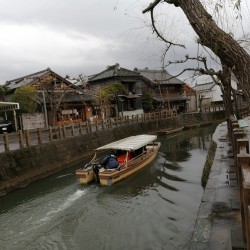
x=64 y=131
x=90 y=127
x=39 y=136
x=80 y=128
x=72 y=129
x=96 y=125
x=235 y=125
x=87 y=127
x=6 y=141
x=60 y=132
x=237 y=134
x=21 y=140
x=27 y=132
x=50 y=133
x=248 y=211
x=245 y=202
x=242 y=143
x=103 y=125
x=242 y=164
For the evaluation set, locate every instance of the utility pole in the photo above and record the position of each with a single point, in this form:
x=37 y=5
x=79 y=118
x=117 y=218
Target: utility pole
x=45 y=110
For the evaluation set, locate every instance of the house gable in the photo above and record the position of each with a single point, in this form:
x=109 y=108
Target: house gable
x=114 y=72
x=159 y=76
x=39 y=79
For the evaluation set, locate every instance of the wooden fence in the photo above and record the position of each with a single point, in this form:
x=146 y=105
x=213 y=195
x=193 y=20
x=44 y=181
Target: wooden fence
x=26 y=138
x=240 y=144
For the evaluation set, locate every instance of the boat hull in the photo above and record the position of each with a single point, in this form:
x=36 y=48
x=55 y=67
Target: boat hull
x=85 y=176
x=133 y=154
x=108 y=178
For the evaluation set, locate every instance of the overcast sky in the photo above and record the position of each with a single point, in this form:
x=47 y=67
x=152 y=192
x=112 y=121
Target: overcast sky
x=83 y=37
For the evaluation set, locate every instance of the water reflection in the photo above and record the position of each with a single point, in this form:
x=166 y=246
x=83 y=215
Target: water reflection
x=153 y=209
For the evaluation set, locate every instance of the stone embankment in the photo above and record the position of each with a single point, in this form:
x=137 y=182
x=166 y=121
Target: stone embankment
x=223 y=220
x=22 y=166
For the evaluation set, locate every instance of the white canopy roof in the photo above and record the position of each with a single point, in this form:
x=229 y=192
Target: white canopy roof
x=5 y=106
x=130 y=143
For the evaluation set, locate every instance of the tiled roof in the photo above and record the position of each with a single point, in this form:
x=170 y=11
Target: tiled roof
x=28 y=79
x=161 y=76
x=189 y=90
x=204 y=86
x=71 y=97
x=76 y=97
x=114 y=71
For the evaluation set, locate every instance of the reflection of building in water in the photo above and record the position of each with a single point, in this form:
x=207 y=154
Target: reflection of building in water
x=178 y=146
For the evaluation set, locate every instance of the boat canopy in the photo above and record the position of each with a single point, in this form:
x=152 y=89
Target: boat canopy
x=130 y=143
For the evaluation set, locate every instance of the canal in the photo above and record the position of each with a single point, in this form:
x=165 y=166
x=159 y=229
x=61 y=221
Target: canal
x=154 y=209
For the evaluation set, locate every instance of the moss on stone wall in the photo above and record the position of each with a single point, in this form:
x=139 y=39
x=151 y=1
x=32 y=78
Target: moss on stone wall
x=208 y=163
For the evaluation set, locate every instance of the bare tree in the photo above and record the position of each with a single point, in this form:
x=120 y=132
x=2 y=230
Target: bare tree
x=54 y=90
x=229 y=51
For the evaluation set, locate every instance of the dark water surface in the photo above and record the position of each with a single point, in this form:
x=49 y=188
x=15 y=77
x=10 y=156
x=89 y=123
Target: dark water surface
x=153 y=209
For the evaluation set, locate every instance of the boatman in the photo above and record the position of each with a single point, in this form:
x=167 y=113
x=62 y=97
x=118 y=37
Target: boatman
x=110 y=161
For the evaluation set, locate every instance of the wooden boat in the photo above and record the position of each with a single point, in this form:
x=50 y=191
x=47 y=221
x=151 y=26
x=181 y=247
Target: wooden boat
x=133 y=153
x=169 y=131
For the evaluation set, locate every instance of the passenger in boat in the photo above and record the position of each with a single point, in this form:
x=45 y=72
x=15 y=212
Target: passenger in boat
x=121 y=156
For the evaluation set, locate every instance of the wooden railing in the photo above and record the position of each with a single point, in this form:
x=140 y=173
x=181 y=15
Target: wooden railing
x=67 y=122
x=240 y=144
x=25 y=138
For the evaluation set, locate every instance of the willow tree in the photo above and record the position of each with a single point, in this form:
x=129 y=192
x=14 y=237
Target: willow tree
x=230 y=53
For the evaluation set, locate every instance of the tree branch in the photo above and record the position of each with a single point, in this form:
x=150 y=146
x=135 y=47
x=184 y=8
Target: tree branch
x=151 y=6
x=158 y=33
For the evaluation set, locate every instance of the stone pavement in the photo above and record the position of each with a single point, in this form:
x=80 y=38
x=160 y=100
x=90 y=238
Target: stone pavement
x=218 y=224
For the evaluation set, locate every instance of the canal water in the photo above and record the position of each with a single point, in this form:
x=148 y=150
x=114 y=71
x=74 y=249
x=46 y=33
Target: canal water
x=154 y=209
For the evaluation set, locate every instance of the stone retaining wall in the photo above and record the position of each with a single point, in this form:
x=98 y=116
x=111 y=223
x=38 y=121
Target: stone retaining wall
x=20 y=167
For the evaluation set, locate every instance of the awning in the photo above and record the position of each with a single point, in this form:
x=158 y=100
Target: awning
x=5 y=106
x=130 y=143
x=171 y=98
x=130 y=96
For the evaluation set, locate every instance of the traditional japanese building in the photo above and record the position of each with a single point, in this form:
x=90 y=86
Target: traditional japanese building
x=167 y=91
x=58 y=98
x=126 y=104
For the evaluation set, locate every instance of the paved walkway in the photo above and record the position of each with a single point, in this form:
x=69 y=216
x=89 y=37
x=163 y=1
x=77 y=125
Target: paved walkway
x=218 y=224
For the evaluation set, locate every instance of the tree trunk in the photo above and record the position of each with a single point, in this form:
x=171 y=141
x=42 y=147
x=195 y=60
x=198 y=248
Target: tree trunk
x=222 y=44
x=236 y=107
x=226 y=88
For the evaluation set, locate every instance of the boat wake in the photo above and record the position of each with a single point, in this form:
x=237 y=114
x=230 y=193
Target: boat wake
x=62 y=176
x=36 y=216
x=67 y=203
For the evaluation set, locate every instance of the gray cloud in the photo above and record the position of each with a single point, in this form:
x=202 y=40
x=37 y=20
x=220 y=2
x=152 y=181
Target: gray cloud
x=83 y=37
